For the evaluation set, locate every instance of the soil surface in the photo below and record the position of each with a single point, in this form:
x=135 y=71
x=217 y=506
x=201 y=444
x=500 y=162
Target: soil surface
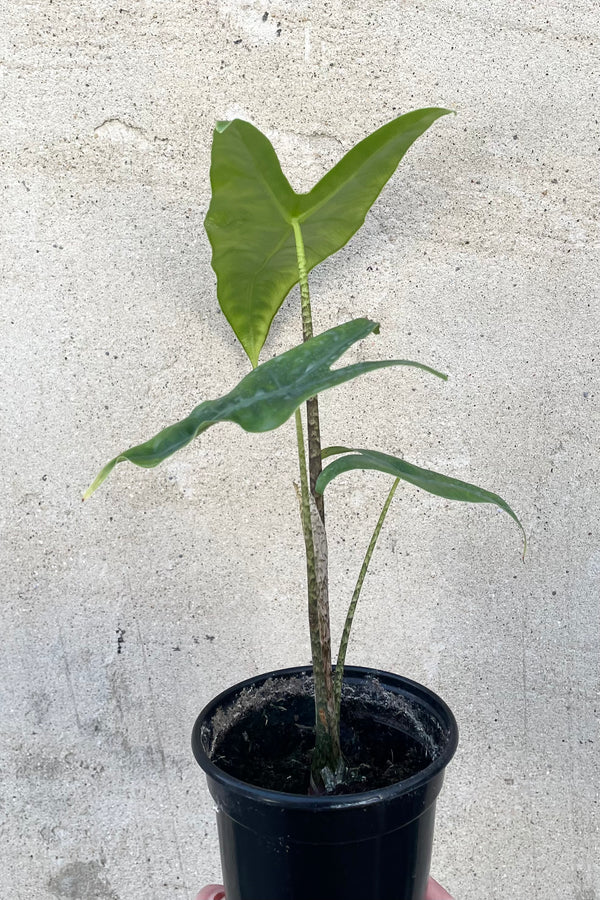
x=272 y=747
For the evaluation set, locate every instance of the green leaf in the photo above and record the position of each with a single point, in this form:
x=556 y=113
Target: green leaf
x=267 y=396
x=432 y=482
x=253 y=209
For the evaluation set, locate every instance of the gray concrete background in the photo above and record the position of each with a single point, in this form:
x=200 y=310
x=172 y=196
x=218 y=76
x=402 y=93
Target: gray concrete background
x=123 y=616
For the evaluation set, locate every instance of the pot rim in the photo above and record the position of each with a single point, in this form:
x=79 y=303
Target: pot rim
x=301 y=801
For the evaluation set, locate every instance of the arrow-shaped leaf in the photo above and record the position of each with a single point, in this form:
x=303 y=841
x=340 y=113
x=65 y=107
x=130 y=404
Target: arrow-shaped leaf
x=267 y=396
x=253 y=212
x=432 y=482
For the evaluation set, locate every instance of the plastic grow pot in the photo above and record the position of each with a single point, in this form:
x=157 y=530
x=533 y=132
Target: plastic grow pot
x=374 y=845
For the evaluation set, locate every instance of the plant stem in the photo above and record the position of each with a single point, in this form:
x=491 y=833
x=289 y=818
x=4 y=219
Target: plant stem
x=341 y=657
x=327 y=756
x=309 y=545
x=312 y=405
x=327 y=752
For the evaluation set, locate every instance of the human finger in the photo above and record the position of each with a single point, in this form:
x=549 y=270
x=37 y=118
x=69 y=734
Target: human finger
x=215 y=892
x=435 y=891
x=212 y=892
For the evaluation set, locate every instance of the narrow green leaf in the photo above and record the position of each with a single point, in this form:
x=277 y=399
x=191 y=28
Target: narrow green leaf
x=334 y=451
x=432 y=482
x=253 y=206
x=267 y=396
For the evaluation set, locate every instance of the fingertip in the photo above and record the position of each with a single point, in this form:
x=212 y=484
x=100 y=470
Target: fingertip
x=436 y=892
x=212 y=892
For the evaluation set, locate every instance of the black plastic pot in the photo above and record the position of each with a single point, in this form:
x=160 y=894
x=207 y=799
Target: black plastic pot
x=374 y=845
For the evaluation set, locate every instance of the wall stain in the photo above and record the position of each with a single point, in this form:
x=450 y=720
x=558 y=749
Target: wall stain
x=587 y=894
x=81 y=881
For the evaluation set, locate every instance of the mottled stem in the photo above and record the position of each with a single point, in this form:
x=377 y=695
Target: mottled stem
x=327 y=757
x=312 y=405
x=327 y=752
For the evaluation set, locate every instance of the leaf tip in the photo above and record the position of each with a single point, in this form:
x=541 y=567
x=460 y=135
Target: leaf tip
x=88 y=493
x=523 y=554
x=221 y=126
x=101 y=476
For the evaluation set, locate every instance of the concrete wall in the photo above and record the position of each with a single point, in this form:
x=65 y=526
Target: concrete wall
x=123 y=616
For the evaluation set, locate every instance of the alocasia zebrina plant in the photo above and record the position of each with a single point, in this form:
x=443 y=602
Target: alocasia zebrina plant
x=265 y=239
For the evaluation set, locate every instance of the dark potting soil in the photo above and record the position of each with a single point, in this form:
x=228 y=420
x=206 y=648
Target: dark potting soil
x=271 y=748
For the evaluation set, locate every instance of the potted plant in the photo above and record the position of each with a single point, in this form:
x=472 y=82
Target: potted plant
x=325 y=774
